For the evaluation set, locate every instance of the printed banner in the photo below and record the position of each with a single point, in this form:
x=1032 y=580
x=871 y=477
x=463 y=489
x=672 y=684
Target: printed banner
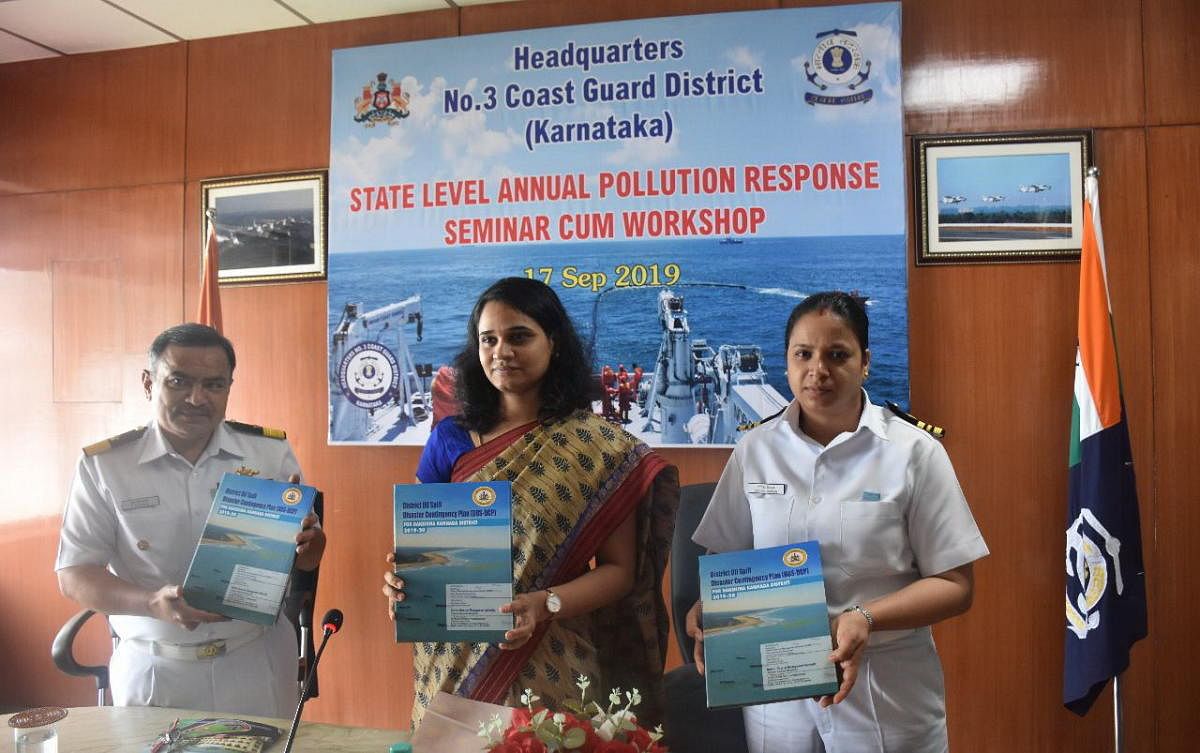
x=681 y=183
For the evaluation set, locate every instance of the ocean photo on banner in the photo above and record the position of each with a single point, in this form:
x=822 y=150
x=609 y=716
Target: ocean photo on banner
x=681 y=184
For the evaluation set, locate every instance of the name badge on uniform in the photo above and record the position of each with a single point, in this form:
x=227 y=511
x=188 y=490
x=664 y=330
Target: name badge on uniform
x=138 y=504
x=759 y=488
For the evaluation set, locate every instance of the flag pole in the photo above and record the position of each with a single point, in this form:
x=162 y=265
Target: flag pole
x=1118 y=747
x=1118 y=742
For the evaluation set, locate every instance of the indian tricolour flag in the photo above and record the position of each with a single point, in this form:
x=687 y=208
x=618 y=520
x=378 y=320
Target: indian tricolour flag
x=1106 y=590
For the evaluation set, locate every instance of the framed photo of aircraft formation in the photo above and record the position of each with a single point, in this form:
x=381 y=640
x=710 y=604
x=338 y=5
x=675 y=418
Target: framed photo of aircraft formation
x=270 y=228
x=999 y=197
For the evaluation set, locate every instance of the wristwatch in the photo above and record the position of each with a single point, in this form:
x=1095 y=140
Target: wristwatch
x=553 y=603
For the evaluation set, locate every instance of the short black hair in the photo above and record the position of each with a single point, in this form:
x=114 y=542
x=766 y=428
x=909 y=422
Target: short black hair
x=566 y=385
x=191 y=335
x=850 y=307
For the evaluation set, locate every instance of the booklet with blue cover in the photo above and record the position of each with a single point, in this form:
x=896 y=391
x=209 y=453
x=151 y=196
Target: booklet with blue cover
x=454 y=553
x=241 y=566
x=766 y=626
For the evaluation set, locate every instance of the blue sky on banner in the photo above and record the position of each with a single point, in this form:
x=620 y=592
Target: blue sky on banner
x=775 y=127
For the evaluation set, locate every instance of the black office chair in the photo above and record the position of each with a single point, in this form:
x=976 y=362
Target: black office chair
x=690 y=726
x=62 y=651
x=297 y=604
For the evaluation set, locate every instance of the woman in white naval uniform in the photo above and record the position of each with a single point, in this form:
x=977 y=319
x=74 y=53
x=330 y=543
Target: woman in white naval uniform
x=897 y=541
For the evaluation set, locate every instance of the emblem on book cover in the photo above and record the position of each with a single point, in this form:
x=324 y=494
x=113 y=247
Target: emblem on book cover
x=483 y=496
x=795 y=557
x=384 y=101
x=292 y=496
x=1088 y=567
x=837 y=63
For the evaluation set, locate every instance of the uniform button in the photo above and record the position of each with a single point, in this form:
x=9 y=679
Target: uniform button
x=143 y=544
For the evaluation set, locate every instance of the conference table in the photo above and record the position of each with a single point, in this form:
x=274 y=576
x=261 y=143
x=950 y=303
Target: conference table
x=132 y=729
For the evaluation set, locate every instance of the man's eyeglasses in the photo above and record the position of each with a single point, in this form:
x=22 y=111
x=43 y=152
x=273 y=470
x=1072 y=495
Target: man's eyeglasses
x=179 y=383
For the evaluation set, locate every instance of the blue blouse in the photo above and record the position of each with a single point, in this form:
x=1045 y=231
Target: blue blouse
x=447 y=443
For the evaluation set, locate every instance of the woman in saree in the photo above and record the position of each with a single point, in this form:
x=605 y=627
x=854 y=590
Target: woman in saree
x=593 y=511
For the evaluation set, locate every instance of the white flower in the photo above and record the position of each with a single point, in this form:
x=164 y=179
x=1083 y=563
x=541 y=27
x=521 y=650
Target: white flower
x=634 y=697
x=612 y=724
x=528 y=698
x=492 y=730
x=615 y=696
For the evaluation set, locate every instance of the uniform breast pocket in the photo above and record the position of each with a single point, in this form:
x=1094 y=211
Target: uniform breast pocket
x=873 y=537
x=147 y=534
x=770 y=514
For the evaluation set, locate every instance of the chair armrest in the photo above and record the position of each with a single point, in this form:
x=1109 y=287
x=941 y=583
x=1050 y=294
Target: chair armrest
x=62 y=651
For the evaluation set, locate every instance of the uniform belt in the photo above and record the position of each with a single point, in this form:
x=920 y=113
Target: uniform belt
x=195 y=651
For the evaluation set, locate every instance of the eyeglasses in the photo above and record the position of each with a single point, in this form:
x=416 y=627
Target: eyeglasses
x=180 y=383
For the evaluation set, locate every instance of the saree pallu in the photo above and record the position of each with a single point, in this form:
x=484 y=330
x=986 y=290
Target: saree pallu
x=574 y=481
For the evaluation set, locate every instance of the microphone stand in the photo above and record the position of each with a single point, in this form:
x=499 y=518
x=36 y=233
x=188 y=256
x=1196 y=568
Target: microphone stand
x=312 y=671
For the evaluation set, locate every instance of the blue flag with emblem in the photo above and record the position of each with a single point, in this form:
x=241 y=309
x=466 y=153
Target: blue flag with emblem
x=1106 y=588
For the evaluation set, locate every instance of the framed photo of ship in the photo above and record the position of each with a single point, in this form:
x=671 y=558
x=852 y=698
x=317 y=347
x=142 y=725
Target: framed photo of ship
x=270 y=228
x=999 y=197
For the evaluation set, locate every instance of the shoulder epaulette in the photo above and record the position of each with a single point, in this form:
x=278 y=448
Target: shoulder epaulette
x=937 y=431
x=258 y=431
x=104 y=445
x=753 y=424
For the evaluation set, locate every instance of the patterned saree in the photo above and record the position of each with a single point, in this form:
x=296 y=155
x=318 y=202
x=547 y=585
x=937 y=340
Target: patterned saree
x=573 y=482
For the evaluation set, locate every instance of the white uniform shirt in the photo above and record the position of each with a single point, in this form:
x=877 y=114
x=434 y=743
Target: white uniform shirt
x=883 y=502
x=139 y=508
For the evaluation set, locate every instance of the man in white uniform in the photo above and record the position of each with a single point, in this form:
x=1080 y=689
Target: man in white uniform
x=136 y=510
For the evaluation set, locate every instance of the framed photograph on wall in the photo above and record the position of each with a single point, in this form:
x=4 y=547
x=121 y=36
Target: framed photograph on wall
x=999 y=197
x=270 y=228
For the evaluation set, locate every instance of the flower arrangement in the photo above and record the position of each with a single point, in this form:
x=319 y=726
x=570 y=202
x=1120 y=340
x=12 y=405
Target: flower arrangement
x=589 y=728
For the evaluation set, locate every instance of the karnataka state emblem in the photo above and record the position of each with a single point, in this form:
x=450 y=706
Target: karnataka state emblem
x=837 y=62
x=1088 y=569
x=483 y=496
x=795 y=557
x=381 y=102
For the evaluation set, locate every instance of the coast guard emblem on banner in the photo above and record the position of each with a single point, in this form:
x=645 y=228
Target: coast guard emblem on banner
x=837 y=61
x=369 y=375
x=386 y=104
x=1088 y=571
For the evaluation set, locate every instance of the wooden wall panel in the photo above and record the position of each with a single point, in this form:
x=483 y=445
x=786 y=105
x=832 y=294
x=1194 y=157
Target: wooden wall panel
x=539 y=14
x=28 y=225
x=1171 y=36
x=88 y=330
x=31 y=679
x=86 y=121
x=260 y=102
x=1021 y=65
x=1173 y=161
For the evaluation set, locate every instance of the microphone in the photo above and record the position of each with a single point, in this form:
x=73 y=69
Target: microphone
x=331 y=623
